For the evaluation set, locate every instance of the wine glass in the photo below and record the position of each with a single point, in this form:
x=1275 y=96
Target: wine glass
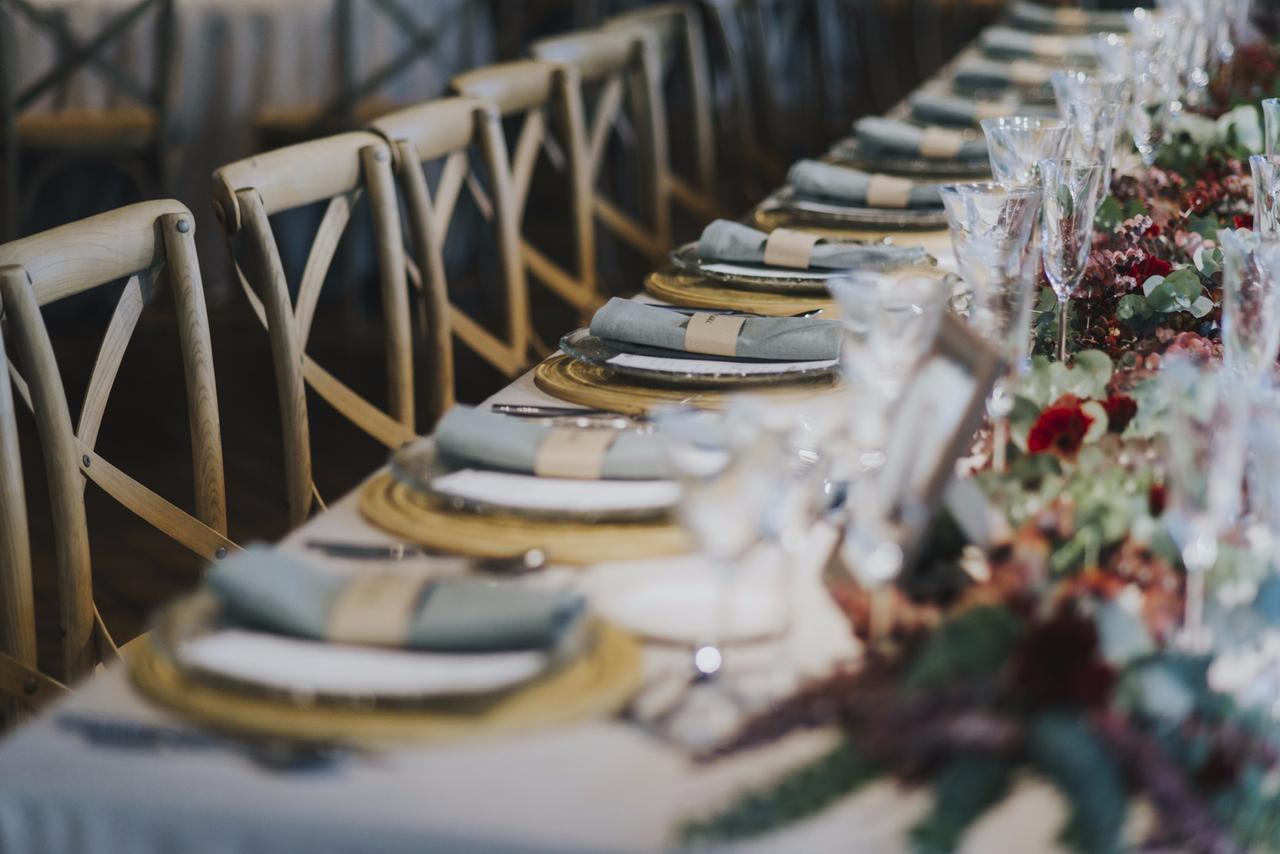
x=1204 y=461
x=1266 y=194
x=1112 y=53
x=1016 y=144
x=1068 y=203
x=1150 y=112
x=891 y=323
x=1271 y=126
x=727 y=466
x=1092 y=104
x=1250 y=302
x=993 y=236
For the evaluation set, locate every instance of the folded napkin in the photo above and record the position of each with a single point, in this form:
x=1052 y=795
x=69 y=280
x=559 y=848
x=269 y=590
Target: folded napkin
x=844 y=184
x=483 y=439
x=776 y=339
x=978 y=72
x=725 y=240
x=944 y=109
x=1006 y=41
x=903 y=139
x=1068 y=17
x=264 y=589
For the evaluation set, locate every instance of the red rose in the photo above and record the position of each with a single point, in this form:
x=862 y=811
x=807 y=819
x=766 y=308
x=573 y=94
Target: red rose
x=1060 y=430
x=1243 y=221
x=1153 y=230
x=1120 y=411
x=1148 y=267
x=1156 y=499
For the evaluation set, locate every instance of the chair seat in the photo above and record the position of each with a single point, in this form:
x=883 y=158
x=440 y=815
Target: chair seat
x=85 y=130
x=301 y=120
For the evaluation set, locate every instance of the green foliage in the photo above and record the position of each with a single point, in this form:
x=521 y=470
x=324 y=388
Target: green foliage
x=1181 y=291
x=1111 y=213
x=969 y=645
x=965 y=789
x=1064 y=749
x=797 y=794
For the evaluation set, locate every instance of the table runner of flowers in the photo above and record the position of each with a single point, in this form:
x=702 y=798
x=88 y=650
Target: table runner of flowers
x=1049 y=654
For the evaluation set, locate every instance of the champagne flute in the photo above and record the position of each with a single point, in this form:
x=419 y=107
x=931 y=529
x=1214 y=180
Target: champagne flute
x=1150 y=113
x=1266 y=194
x=1068 y=203
x=1204 y=459
x=1271 y=126
x=1250 y=302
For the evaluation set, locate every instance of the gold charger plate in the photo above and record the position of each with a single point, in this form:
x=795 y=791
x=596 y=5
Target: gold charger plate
x=598 y=683
x=427 y=521
x=590 y=385
x=699 y=292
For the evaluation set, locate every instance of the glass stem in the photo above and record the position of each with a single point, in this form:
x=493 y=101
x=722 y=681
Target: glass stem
x=1193 y=616
x=1062 y=329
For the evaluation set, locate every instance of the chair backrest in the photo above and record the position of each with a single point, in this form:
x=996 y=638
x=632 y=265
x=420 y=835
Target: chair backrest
x=676 y=29
x=78 y=55
x=339 y=170
x=17 y=602
x=446 y=130
x=357 y=86
x=625 y=67
x=532 y=90
x=139 y=243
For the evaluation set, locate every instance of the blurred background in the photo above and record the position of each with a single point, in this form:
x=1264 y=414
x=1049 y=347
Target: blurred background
x=107 y=102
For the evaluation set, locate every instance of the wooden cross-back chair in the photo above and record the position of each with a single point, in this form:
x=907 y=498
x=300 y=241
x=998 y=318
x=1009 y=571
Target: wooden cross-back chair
x=141 y=244
x=339 y=170
x=676 y=29
x=18 y=675
x=446 y=130
x=625 y=66
x=534 y=90
x=357 y=100
x=131 y=134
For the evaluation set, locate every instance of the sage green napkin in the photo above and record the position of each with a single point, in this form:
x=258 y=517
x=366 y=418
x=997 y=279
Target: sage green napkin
x=267 y=590
x=484 y=439
x=1008 y=42
x=1068 y=18
x=978 y=72
x=844 y=184
x=897 y=138
x=944 y=109
x=774 y=339
x=725 y=240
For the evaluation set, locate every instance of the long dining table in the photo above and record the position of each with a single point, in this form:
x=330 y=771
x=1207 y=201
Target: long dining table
x=599 y=785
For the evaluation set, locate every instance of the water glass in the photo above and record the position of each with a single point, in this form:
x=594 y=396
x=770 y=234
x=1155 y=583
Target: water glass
x=1271 y=126
x=1016 y=144
x=1250 y=302
x=1266 y=194
x=1069 y=203
x=993 y=237
x=1092 y=104
x=1151 y=109
x=1204 y=465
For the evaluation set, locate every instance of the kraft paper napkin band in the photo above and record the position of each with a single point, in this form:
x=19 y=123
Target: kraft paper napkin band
x=991 y=110
x=1024 y=72
x=940 y=142
x=1048 y=45
x=888 y=191
x=573 y=452
x=376 y=608
x=1072 y=17
x=787 y=247
x=713 y=334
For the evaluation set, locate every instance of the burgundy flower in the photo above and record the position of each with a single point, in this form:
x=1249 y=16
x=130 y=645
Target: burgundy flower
x=1153 y=230
x=1156 y=499
x=1242 y=221
x=1148 y=267
x=1058 y=663
x=1060 y=429
x=1120 y=411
